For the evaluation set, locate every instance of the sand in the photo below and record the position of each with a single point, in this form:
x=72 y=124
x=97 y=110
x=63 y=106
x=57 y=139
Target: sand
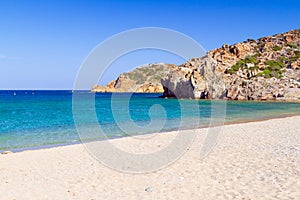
x=257 y=160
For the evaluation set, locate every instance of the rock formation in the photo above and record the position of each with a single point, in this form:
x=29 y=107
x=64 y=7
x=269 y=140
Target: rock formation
x=198 y=78
x=263 y=69
x=143 y=79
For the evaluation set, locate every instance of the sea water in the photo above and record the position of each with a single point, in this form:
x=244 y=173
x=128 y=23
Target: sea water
x=41 y=118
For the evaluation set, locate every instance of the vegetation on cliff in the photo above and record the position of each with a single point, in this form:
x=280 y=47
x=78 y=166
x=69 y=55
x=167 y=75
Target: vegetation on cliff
x=142 y=79
x=264 y=69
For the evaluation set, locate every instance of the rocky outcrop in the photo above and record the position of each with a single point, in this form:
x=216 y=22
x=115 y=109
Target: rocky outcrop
x=150 y=88
x=198 y=78
x=146 y=79
x=263 y=69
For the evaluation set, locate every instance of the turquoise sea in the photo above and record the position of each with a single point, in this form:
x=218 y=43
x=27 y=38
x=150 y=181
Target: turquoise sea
x=42 y=118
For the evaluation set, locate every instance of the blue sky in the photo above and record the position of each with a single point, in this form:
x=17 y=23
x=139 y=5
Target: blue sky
x=43 y=43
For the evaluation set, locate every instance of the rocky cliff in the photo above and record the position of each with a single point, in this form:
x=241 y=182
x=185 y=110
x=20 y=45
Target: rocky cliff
x=143 y=79
x=263 y=69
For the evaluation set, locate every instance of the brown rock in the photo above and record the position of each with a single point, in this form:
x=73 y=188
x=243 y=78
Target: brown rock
x=139 y=79
x=6 y=152
x=241 y=98
x=149 y=88
x=268 y=96
x=295 y=65
x=98 y=88
x=233 y=92
x=289 y=38
x=269 y=45
x=241 y=49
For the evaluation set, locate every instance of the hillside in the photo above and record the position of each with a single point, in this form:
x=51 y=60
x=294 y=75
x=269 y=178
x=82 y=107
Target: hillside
x=263 y=69
x=142 y=79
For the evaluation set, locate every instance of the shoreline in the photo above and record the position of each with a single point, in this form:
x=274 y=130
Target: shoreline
x=255 y=160
x=90 y=91
x=49 y=146
x=289 y=100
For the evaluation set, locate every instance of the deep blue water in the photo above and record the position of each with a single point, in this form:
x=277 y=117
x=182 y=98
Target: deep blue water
x=38 y=118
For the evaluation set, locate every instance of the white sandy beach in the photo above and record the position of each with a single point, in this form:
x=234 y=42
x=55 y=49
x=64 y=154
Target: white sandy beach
x=257 y=160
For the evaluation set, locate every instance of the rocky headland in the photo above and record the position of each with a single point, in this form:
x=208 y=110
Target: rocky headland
x=144 y=79
x=264 y=69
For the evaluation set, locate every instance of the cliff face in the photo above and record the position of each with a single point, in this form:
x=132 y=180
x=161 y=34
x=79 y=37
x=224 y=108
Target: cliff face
x=194 y=79
x=263 y=69
x=142 y=79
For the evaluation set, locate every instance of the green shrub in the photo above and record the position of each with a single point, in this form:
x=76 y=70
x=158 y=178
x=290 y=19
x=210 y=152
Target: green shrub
x=236 y=67
x=255 y=67
x=251 y=59
x=273 y=69
x=229 y=71
x=282 y=59
x=136 y=76
x=157 y=77
x=260 y=45
x=242 y=64
x=277 y=48
x=260 y=74
x=292 y=46
x=292 y=59
x=275 y=64
x=267 y=73
x=289 y=59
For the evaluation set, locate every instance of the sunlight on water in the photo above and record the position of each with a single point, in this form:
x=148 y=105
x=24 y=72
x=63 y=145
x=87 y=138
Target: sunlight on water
x=37 y=118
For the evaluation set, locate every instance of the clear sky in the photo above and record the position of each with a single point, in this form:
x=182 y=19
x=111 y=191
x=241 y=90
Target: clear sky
x=43 y=43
